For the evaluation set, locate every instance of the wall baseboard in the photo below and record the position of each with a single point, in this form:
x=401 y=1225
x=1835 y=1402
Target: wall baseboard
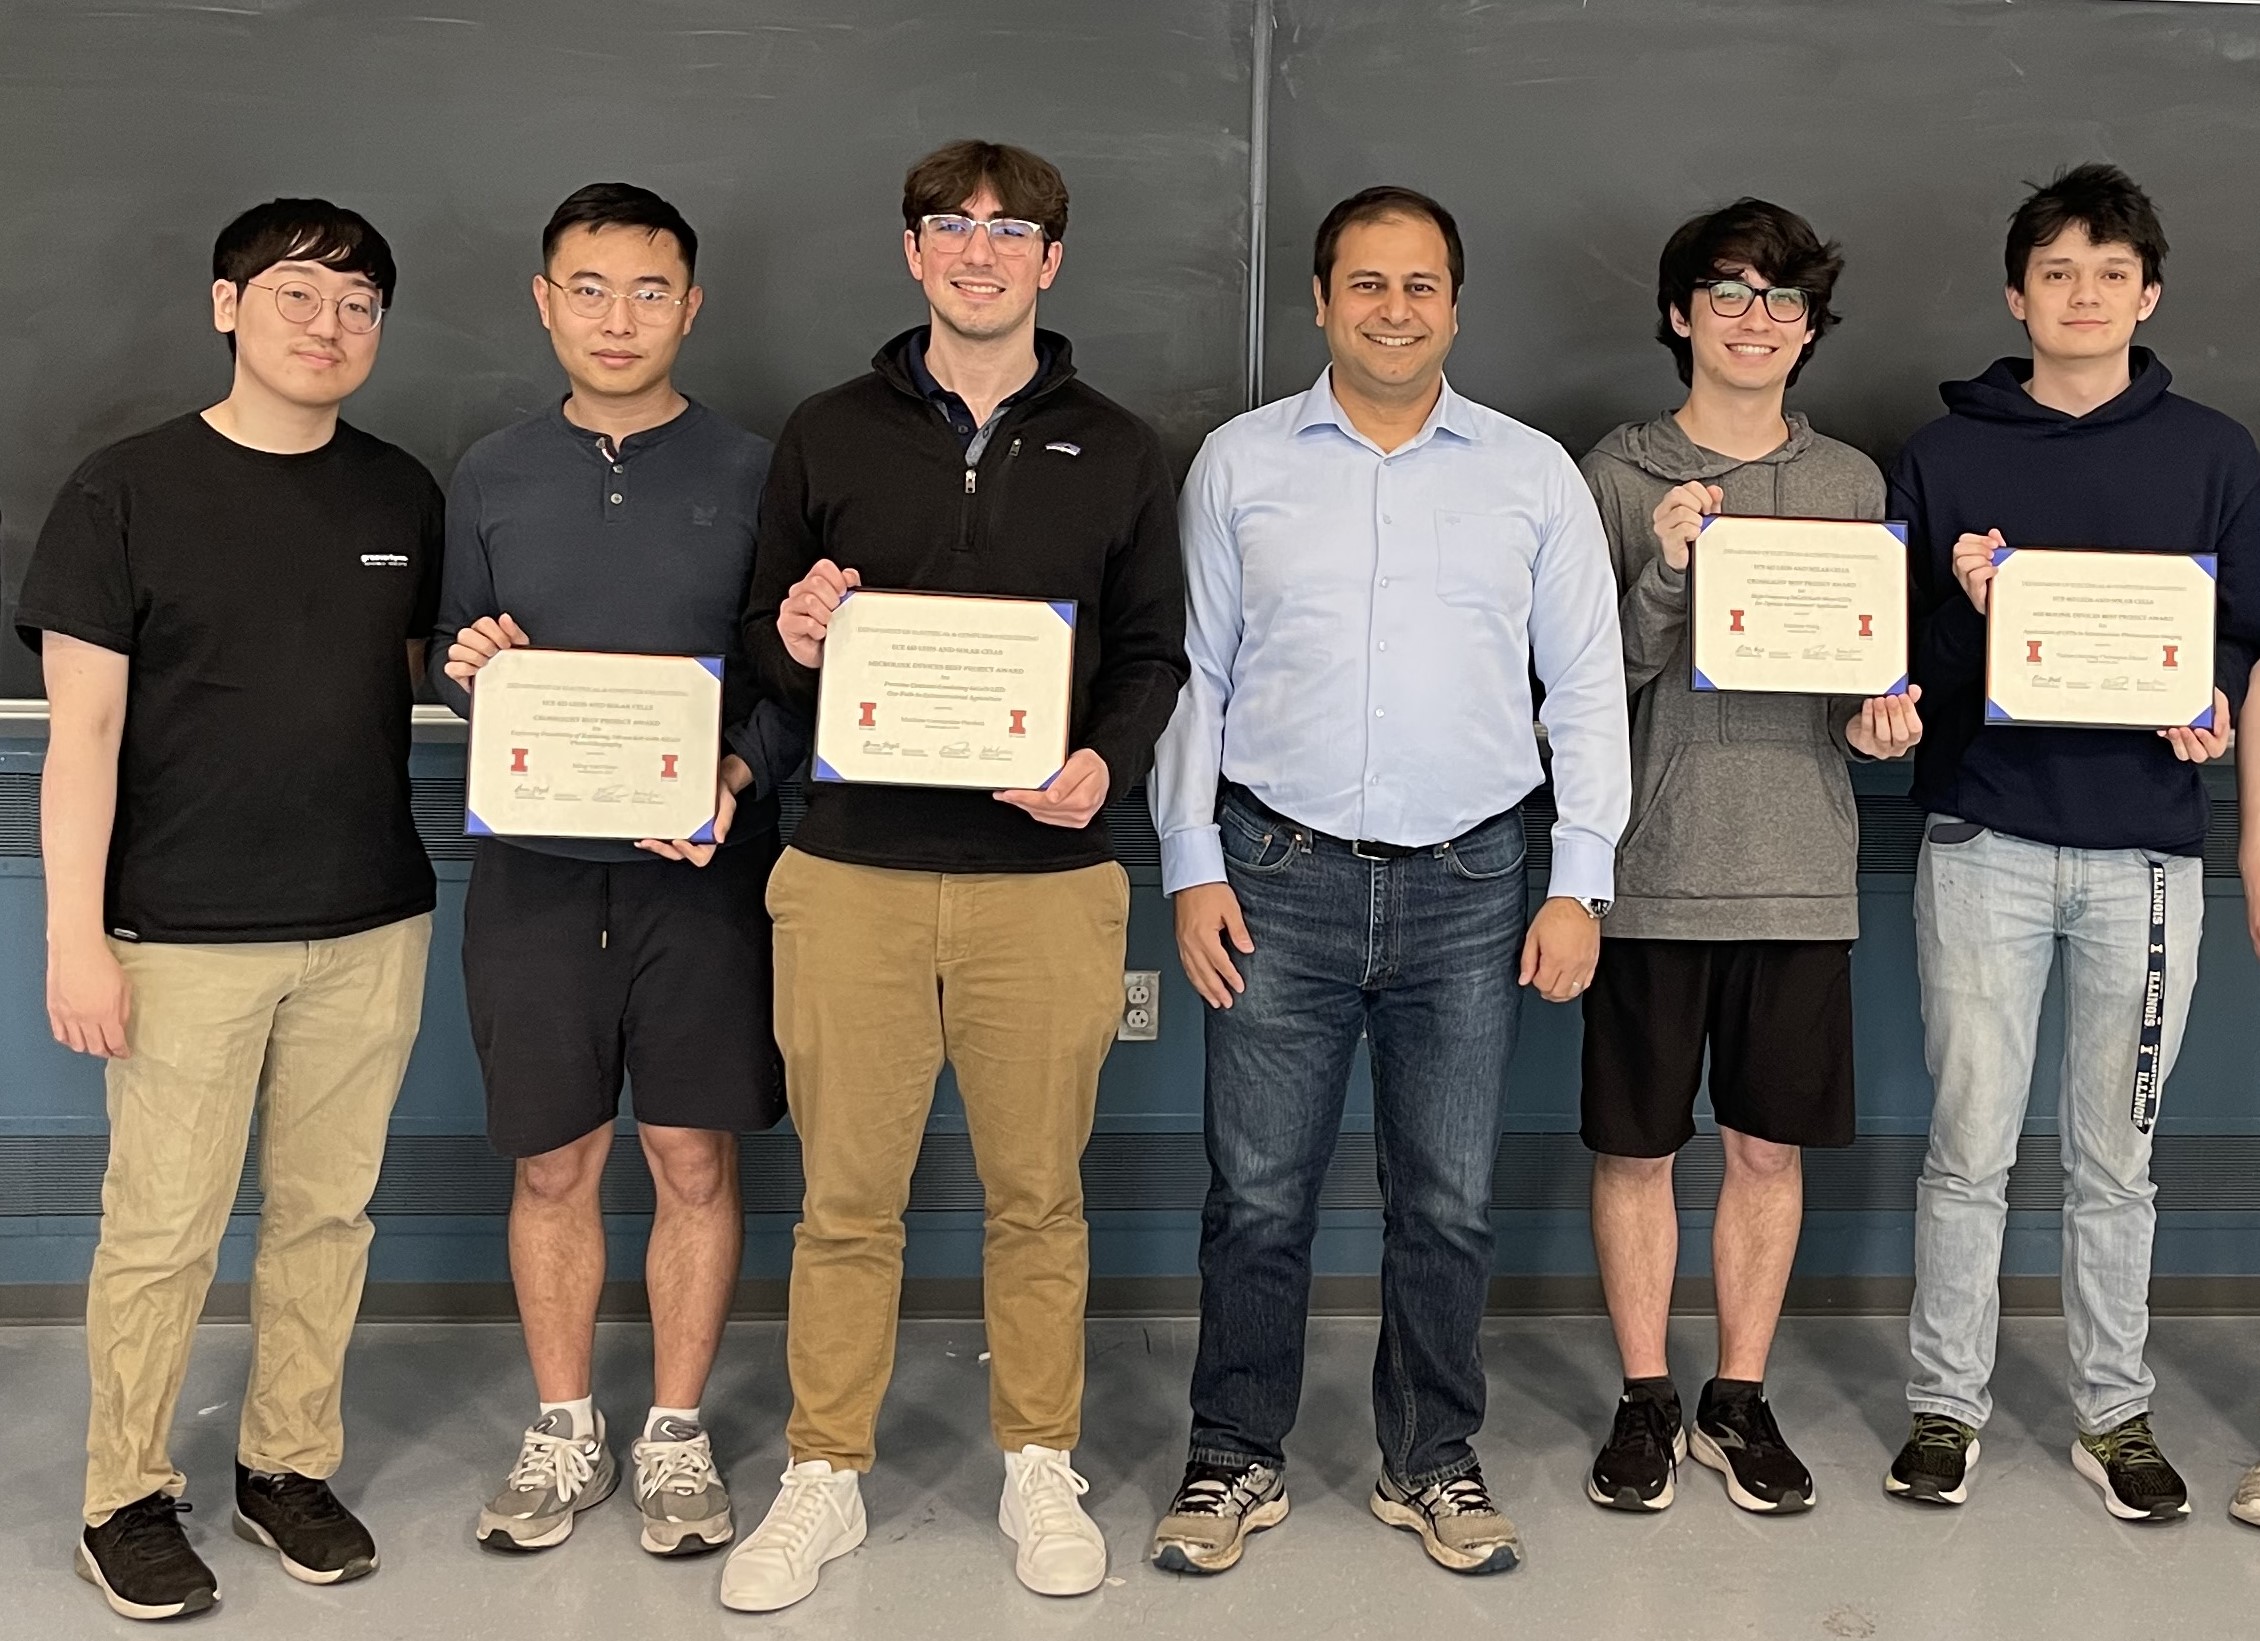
x=1177 y=1296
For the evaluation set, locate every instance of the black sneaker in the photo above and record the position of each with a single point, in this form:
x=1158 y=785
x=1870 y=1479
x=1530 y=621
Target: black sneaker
x=1735 y=1435
x=1640 y=1461
x=301 y=1520
x=2132 y=1474
x=1216 y=1508
x=141 y=1562
x=1934 y=1467
x=1459 y=1526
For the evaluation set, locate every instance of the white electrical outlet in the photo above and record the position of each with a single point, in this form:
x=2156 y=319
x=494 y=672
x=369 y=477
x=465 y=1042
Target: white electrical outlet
x=1141 y=1006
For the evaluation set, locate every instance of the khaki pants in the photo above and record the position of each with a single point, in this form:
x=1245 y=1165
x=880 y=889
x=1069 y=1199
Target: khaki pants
x=312 y=1036
x=1015 y=979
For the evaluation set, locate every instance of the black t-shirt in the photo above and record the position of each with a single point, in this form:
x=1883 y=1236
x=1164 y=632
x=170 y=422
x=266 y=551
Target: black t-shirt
x=266 y=603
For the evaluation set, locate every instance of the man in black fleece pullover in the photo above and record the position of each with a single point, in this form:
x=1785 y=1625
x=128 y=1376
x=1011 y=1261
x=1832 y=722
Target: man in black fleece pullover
x=2146 y=469
x=916 y=924
x=2081 y=842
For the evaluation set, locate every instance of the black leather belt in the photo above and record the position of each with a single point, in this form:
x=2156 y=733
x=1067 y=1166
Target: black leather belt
x=1363 y=848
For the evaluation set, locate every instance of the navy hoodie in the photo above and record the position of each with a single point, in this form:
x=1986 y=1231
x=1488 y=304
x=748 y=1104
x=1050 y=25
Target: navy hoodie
x=2149 y=469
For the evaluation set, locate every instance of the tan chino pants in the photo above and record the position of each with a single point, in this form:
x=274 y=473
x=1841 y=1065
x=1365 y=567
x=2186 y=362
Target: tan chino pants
x=1015 y=980
x=312 y=1037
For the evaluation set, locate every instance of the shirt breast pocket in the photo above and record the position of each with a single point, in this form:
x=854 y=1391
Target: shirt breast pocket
x=1485 y=561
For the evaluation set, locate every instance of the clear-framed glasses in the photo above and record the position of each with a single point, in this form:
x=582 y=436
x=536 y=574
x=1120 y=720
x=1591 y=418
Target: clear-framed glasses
x=1008 y=236
x=593 y=301
x=1731 y=299
x=300 y=304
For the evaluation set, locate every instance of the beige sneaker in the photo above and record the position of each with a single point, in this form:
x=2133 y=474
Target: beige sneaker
x=2246 y=1505
x=1062 y=1551
x=818 y=1516
x=1459 y=1526
x=1216 y=1508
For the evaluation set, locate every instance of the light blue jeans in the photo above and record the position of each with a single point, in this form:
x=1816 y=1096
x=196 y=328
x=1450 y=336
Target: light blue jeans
x=1992 y=915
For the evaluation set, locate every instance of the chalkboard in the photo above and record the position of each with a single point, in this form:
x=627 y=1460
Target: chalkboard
x=1569 y=135
x=130 y=133
x=1570 y=138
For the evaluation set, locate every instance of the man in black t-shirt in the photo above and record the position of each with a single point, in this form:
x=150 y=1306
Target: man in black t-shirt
x=228 y=610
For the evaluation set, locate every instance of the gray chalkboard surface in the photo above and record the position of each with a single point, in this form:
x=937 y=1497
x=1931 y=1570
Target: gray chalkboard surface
x=1569 y=135
x=130 y=132
x=1570 y=139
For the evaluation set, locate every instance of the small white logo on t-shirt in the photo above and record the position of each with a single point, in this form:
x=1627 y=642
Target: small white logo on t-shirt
x=384 y=561
x=1065 y=448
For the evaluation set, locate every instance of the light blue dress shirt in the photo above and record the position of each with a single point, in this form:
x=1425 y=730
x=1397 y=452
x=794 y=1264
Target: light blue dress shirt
x=1362 y=628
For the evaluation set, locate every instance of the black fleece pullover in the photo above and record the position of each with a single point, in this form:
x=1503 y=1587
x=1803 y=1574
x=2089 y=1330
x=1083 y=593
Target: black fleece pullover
x=1068 y=498
x=2149 y=469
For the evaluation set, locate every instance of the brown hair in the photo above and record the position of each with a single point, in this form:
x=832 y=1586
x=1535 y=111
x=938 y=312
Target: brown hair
x=1754 y=233
x=1026 y=184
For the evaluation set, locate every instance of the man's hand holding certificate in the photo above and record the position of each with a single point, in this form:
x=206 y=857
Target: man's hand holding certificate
x=1797 y=606
x=1800 y=606
x=930 y=689
x=588 y=744
x=2101 y=639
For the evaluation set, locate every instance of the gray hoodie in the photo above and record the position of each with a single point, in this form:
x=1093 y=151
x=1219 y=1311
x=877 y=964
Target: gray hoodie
x=1742 y=826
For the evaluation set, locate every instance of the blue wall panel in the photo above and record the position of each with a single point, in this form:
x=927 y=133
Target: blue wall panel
x=1150 y=1103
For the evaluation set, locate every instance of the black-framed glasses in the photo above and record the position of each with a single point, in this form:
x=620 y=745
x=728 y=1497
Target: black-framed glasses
x=1731 y=299
x=300 y=304
x=592 y=300
x=1008 y=236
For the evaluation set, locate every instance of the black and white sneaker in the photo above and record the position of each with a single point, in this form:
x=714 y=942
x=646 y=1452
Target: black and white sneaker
x=142 y=1563
x=320 y=1540
x=1735 y=1435
x=1216 y=1508
x=1935 y=1464
x=2132 y=1474
x=1640 y=1461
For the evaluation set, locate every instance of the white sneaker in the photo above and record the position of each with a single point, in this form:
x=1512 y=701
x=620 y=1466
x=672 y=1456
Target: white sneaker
x=817 y=1516
x=1062 y=1551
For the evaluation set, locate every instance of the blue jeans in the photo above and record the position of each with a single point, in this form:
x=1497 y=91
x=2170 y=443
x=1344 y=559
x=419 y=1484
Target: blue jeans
x=1420 y=955
x=1993 y=914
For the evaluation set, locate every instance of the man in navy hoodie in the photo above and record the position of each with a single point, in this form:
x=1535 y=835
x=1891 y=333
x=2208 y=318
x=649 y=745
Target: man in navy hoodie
x=2087 y=841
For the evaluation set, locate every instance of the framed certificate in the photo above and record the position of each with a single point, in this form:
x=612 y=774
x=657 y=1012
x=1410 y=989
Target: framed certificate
x=2105 y=639
x=583 y=744
x=940 y=689
x=1800 y=606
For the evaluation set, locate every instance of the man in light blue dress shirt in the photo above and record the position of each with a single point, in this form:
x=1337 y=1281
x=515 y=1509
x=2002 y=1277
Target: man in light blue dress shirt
x=1374 y=569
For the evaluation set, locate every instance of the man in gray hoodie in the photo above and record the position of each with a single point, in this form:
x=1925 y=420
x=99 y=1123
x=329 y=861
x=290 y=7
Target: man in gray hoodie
x=1737 y=900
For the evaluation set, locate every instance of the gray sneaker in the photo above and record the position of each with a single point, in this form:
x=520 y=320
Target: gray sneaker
x=554 y=1480
x=1458 y=1524
x=686 y=1509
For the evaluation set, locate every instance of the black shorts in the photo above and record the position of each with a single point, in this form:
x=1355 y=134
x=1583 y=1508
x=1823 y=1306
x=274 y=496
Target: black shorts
x=1776 y=1015
x=578 y=972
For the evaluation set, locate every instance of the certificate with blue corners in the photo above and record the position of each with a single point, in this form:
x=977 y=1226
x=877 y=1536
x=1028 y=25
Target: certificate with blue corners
x=584 y=744
x=2112 y=640
x=1799 y=606
x=940 y=689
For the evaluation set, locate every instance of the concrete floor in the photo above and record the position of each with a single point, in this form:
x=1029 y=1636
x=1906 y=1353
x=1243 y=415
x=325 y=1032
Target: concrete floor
x=435 y=1411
